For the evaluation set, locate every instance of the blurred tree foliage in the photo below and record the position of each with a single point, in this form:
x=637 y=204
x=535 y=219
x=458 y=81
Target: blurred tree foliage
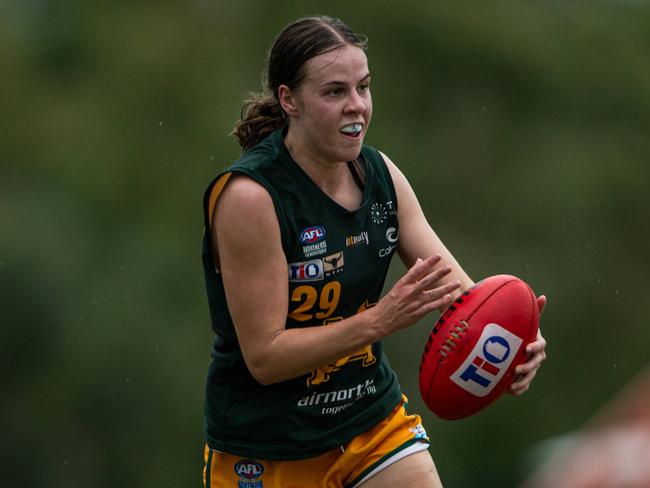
x=523 y=127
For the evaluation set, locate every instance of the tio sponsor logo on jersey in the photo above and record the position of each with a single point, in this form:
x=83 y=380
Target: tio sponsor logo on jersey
x=488 y=361
x=317 y=269
x=306 y=270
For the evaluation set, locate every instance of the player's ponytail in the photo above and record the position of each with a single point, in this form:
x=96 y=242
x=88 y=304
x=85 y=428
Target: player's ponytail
x=296 y=44
x=261 y=114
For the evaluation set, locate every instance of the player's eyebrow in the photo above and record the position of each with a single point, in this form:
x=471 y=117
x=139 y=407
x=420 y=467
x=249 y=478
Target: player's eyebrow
x=337 y=82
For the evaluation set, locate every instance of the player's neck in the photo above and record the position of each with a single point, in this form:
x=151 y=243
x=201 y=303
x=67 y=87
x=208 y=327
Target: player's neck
x=328 y=175
x=333 y=178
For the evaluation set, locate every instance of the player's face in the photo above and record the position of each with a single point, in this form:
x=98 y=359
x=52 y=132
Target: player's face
x=334 y=106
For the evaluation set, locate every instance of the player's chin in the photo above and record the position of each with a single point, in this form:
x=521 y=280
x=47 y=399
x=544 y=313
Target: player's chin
x=347 y=154
x=350 y=148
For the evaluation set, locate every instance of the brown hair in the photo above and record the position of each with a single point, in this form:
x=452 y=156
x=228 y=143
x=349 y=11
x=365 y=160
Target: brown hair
x=296 y=44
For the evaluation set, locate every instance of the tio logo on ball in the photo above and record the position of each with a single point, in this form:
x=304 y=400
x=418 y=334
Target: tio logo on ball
x=488 y=361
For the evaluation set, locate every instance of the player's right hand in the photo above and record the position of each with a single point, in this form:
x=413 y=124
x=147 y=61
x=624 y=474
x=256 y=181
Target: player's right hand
x=419 y=292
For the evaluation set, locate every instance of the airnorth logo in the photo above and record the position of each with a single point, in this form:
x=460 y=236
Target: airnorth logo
x=332 y=402
x=312 y=235
x=488 y=361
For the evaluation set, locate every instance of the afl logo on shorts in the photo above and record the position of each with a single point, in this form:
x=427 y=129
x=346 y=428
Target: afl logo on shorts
x=312 y=235
x=249 y=469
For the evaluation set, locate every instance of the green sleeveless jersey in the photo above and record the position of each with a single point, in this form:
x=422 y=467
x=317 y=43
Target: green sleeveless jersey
x=337 y=264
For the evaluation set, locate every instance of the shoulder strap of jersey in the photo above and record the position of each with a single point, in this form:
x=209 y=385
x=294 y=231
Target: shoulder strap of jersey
x=374 y=159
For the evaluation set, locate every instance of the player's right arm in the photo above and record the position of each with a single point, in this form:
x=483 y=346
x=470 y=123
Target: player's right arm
x=246 y=236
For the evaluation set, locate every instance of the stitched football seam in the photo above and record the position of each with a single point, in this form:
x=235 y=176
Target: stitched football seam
x=454 y=335
x=462 y=329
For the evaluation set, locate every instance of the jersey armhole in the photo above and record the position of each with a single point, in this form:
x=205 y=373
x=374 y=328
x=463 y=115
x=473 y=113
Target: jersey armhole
x=212 y=196
x=215 y=193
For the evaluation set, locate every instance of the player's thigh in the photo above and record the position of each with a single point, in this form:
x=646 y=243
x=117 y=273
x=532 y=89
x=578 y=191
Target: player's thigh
x=417 y=469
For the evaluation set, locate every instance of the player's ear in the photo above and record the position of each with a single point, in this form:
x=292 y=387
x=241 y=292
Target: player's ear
x=287 y=100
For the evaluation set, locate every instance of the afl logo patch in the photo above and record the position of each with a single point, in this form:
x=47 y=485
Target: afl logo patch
x=249 y=469
x=312 y=235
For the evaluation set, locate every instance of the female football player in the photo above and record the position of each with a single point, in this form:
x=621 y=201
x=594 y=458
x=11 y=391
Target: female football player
x=300 y=232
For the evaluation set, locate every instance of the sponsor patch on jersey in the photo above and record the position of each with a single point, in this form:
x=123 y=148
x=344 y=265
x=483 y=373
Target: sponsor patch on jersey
x=379 y=212
x=312 y=235
x=249 y=471
x=313 y=241
x=306 y=271
x=333 y=264
x=354 y=241
x=315 y=249
x=387 y=251
x=392 y=235
x=335 y=401
x=488 y=361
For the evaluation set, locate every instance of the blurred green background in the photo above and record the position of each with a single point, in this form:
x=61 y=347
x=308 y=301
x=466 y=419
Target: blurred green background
x=523 y=127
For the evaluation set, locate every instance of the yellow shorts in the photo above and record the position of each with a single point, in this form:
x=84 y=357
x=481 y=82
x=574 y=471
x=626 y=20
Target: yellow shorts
x=395 y=437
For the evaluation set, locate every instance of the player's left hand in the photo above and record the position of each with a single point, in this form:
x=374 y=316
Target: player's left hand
x=537 y=353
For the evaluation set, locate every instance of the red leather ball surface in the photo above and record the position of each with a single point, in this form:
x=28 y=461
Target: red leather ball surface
x=475 y=345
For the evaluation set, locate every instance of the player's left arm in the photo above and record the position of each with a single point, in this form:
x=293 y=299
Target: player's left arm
x=417 y=240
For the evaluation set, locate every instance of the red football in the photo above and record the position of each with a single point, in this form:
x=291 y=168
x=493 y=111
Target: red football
x=475 y=345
